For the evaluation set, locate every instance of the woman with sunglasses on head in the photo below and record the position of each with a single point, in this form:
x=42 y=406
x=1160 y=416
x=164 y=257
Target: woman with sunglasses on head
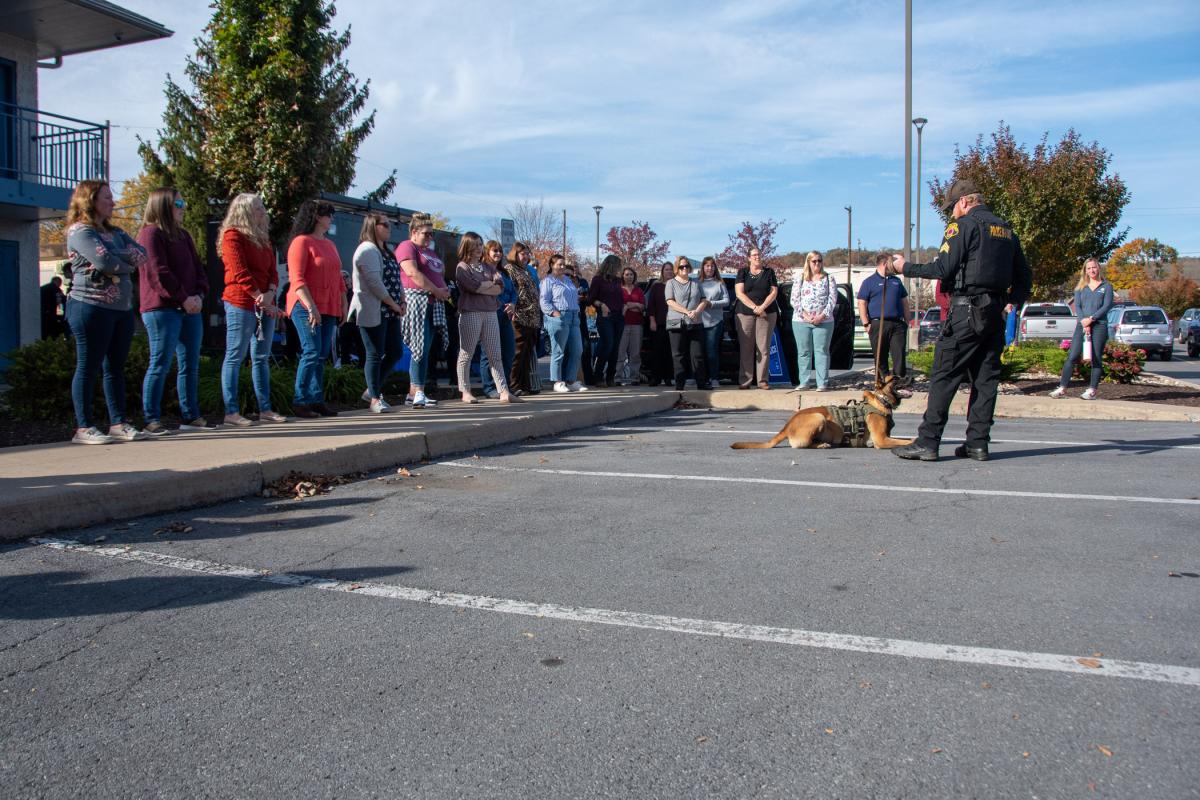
x=712 y=318
x=100 y=309
x=251 y=278
x=560 y=303
x=634 y=309
x=685 y=303
x=423 y=275
x=377 y=305
x=171 y=285
x=479 y=288
x=814 y=298
x=493 y=256
x=527 y=320
x=316 y=302
x=756 y=288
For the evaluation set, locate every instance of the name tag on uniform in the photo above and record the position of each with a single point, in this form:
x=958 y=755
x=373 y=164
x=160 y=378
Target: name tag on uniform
x=999 y=232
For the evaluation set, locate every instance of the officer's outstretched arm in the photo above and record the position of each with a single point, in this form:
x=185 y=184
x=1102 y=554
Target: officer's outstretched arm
x=950 y=257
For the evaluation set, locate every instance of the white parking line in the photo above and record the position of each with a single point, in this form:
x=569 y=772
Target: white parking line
x=985 y=656
x=897 y=434
x=1184 y=501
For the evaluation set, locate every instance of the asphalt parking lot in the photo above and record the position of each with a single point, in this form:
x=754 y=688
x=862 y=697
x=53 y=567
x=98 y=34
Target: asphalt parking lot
x=635 y=610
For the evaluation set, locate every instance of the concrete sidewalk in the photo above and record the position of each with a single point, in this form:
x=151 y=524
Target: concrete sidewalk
x=49 y=487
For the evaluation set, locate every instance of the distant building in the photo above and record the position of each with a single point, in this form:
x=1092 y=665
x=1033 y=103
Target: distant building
x=44 y=154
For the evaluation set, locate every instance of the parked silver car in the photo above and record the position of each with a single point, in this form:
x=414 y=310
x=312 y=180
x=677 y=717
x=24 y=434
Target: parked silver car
x=1046 y=321
x=1145 y=327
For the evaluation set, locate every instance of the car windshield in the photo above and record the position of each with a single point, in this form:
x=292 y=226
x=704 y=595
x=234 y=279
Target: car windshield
x=1145 y=316
x=1048 y=311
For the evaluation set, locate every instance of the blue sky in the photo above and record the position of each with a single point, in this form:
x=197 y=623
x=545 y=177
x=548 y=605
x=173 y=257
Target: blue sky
x=696 y=116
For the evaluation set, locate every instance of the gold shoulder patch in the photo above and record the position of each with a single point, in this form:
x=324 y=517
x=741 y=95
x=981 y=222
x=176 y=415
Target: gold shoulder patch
x=951 y=230
x=945 y=248
x=999 y=232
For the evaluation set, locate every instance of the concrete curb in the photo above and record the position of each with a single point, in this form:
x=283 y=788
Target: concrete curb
x=52 y=487
x=1007 y=407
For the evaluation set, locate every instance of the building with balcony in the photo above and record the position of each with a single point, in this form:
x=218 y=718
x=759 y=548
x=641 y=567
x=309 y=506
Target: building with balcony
x=44 y=152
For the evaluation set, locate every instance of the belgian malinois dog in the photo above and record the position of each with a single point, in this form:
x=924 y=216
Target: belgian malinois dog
x=851 y=425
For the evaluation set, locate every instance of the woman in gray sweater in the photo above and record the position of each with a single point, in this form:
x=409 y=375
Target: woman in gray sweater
x=1093 y=299
x=712 y=318
x=377 y=305
x=685 y=303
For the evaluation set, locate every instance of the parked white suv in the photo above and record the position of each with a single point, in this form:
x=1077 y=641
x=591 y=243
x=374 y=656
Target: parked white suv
x=1145 y=327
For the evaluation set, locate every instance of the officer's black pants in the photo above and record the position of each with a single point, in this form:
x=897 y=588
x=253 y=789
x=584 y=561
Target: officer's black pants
x=964 y=354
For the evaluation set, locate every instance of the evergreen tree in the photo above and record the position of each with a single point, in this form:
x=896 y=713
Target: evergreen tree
x=272 y=109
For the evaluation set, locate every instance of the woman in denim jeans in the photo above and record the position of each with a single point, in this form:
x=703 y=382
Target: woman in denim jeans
x=560 y=303
x=316 y=302
x=172 y=288
x=251 y=278
x=377 y=305
x=100 y=309
x=712 y=318
x=814 y=298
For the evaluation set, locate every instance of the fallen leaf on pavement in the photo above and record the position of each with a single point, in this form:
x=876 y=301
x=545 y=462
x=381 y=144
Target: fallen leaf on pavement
x=829 y=731
x=1090 y=663
x=1105 y=750
x=935 y=750
x=701 y=739
x=542 y=459
x=174 y=527
x=403 y=472
x=985 y=685
x=1025 y=754
x=527 y=635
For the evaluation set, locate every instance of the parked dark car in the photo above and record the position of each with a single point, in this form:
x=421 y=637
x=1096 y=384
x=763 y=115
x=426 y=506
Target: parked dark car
x=931 y=326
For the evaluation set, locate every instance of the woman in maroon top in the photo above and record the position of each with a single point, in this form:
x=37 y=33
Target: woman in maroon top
x=171 y=290
x=634 y=304
x=251 y=278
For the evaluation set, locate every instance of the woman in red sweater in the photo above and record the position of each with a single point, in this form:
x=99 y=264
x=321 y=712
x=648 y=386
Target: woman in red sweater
x=316 y=302
x=251 y=277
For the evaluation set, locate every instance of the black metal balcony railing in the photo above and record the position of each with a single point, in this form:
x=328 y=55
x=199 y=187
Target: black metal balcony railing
x=50 y=149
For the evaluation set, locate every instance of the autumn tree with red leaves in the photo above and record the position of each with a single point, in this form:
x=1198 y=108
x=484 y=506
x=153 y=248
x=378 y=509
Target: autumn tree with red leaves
x=737 y=254
x=637 y=246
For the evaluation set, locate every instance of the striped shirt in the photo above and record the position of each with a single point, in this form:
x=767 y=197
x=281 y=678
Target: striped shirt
x=558 y=294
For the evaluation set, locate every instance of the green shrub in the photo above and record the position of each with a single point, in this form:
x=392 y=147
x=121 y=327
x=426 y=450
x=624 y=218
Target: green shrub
x=39 y=378
x=1037 y=356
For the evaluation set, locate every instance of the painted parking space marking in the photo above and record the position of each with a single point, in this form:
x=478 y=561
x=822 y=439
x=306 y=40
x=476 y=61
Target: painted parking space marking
x=897 y=434
x=981 y=656
x=858 y=487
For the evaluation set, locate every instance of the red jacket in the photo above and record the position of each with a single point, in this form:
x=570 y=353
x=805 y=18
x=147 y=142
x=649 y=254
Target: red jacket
x=249 y=269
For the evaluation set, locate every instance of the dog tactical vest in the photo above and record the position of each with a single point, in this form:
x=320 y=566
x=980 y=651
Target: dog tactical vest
x=853 y=418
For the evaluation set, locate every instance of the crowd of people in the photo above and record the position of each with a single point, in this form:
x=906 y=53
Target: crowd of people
x=403 y=298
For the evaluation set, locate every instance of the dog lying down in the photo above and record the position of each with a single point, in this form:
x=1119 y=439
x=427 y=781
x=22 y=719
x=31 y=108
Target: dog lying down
x=859 y=423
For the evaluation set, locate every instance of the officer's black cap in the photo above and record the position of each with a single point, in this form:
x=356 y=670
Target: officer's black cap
x=960 y=188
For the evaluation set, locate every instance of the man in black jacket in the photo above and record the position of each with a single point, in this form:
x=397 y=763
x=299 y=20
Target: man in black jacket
x=980 y=259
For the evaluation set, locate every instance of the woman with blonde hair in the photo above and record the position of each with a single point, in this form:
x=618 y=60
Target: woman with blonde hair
x=251 y=280
x=1093 y=300
x=423 y=276
x=377 y=305
x=479 y=288
x=814 y=298
x=172 y=286
x=100 y=309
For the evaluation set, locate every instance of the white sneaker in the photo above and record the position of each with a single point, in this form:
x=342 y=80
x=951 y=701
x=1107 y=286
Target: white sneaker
x=238 y=421
x=578 y=387
x=561 y=387
x=1059 y=392
x=385 y=404
x=91 y=436
x=1088 y=394
x=493 y=395
x=419 y=400
x=198 y=424
x=378 y=406
x=126 y=433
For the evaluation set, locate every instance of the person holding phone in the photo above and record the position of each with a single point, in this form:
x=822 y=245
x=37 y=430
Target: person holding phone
x=316 y=302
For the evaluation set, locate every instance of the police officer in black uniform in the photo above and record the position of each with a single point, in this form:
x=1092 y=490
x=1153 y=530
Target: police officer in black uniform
x=981 y=259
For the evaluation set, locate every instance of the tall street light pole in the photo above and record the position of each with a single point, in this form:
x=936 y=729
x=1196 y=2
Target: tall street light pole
x=849 y=247
x=919 y=123
x=597 y=209
x=564 y=250
x=907 y=133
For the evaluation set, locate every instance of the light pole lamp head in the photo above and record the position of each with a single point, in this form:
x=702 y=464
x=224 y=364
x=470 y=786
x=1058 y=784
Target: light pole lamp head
x=597 y=209
x=920 y=123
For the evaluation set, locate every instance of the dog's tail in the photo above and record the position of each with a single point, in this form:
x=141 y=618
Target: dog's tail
x=779 y=437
